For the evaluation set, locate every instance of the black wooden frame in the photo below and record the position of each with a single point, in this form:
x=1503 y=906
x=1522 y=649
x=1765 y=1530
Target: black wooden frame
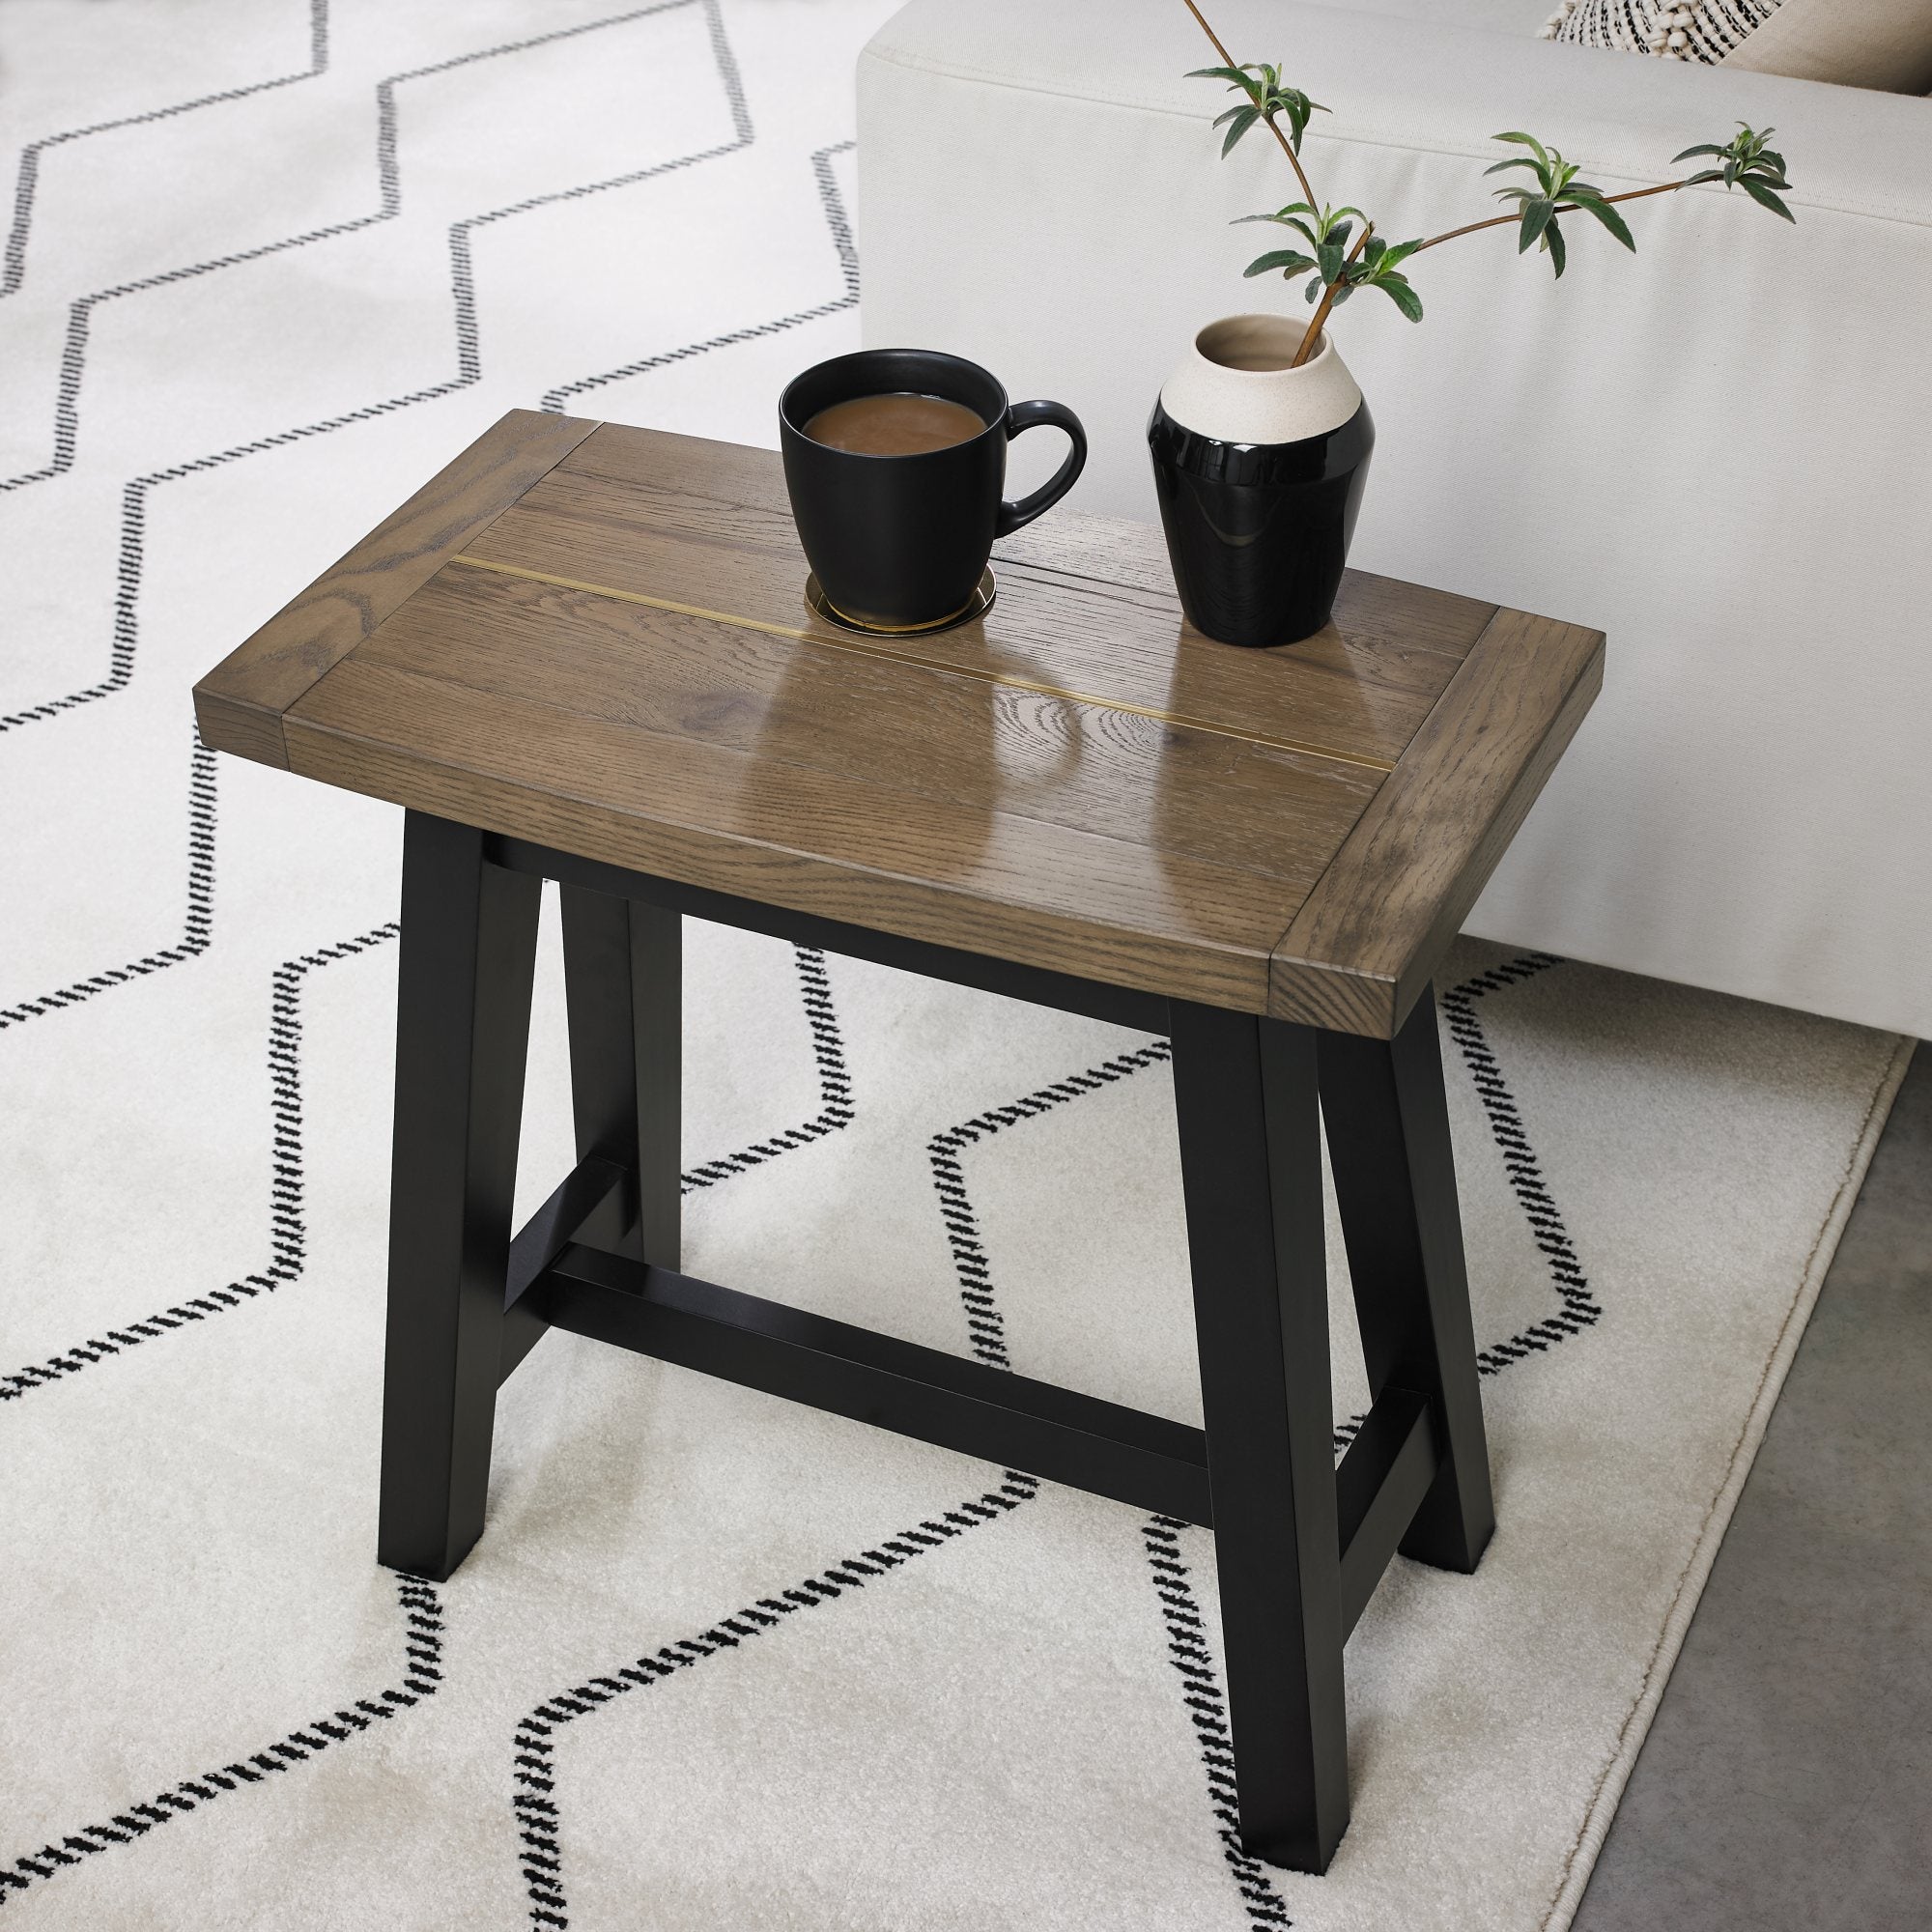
x=1301 y=1543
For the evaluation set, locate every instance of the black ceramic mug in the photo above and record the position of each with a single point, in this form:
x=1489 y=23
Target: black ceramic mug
x=901 y=543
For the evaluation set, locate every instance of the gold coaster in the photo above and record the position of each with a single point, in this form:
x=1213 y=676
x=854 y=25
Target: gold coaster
x=976 y=606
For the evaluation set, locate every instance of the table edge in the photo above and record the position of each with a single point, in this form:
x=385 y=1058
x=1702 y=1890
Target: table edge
x=1322 y=971
x=240 y=704
x=1231 y=974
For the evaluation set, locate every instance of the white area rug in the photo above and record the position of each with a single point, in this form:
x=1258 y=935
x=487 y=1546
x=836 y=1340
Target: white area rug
x=718 y=1662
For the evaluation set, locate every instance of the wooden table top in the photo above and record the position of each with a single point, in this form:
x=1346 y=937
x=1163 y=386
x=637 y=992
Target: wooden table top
x=596 y=637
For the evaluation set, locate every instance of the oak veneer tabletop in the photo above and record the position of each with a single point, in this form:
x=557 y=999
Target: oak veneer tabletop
x=596 y=637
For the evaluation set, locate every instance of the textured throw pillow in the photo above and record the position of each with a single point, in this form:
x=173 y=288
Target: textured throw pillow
x=1882 y=43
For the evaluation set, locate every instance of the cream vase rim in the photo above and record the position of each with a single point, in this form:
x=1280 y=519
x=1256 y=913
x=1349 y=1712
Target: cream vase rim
x=1323 y=345
x=1259 y=406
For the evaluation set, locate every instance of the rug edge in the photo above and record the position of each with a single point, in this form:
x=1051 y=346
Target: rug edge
x=1597 y=1821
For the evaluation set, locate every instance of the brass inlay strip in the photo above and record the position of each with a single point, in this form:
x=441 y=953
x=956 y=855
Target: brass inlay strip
x=870 y=648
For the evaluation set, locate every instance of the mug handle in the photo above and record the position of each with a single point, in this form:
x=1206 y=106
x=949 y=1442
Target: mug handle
x=1025 y=416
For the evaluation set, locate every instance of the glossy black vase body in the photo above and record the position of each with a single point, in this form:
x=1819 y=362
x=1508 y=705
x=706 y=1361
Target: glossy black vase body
x=1258 y=532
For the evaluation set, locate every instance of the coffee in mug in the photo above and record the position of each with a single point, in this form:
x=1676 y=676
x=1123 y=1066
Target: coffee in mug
x=894 y=425
x=895 y=463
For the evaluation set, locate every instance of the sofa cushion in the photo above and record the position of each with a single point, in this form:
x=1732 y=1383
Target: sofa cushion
x=1496 y=17
x=1881 y=43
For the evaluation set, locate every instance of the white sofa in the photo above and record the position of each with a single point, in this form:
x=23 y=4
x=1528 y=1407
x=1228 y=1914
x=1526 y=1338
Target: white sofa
x=1719 y=451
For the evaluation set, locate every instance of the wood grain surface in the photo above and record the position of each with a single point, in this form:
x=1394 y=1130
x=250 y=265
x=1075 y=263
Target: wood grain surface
x=596 y=637
x=1386 y=909
x=238 y=704
x=663 y=516
x=796 y=836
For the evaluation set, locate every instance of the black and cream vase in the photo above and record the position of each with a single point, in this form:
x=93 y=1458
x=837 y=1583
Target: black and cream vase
x=1258 y=467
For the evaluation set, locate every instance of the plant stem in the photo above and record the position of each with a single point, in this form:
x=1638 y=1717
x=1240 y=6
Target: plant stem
x=1501 y=220
x=1321 y=314
x=1286 y=146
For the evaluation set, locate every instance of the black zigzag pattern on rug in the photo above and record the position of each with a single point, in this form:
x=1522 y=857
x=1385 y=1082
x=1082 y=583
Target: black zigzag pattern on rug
x=287 y=1237
x=286 y=1231
x=422 y=1675
x=534 y=1748
x=201 y=817
x=539 y=1821
x=468 y=352
x=13 y=258
x=834 y=1084
x=134 y=495
x=1580 y=1308
x=833 y=206
x=74 y=357
x=198 y=926
x=1207 y=1710
x=962 y=1228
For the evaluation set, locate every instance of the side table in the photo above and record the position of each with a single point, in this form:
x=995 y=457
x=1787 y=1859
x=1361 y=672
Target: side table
x=581 y=653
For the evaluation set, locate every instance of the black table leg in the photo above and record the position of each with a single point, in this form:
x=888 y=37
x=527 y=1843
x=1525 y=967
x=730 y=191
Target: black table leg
x=463 y=1018
x=623 y=976
x=1395 y=1182
x=1251 y=1171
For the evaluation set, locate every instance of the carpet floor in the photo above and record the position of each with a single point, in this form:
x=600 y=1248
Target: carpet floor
x=718 y=1661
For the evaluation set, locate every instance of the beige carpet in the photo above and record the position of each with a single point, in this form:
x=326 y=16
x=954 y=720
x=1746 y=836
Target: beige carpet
x=719 y=1662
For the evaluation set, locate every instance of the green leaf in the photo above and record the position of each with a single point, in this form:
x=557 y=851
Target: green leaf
x=1536 y=215
x=1234 y=75
x=1281 y=220
x=1374 y=249
x=1609 y=218
x=1552 y=240
x=1287 y=259
x=1706 y=149
x=1705 y=174
x=1313 y=292
x=1244 y=119
x=1329 y=256
x=1405 y=298
x=1759 y=192
x=1401 y=251
x=1524 y=141
x=1298 y=108
x=1515 y=162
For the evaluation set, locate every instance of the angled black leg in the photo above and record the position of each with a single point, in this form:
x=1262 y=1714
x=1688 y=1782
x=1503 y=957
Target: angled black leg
x=463 y=1015
x=623 y=974
x=1251 y=1170
x=1395 y=1181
